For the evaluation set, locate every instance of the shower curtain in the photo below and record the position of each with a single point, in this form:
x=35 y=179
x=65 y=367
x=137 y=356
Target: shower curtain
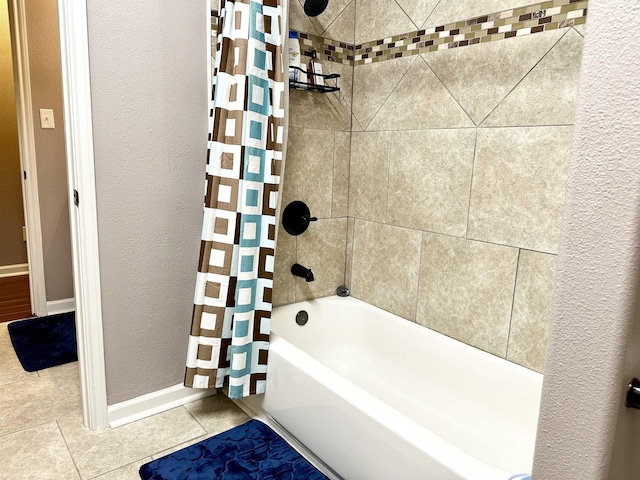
x=229 y=340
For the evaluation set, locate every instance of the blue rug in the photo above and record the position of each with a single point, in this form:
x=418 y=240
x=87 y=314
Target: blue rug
x=44 y=342
x=249 y=452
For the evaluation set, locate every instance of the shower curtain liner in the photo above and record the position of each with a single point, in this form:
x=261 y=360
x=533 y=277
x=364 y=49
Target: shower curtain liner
x=229 y=340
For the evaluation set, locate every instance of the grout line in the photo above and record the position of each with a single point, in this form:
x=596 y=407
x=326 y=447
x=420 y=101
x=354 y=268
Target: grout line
x=27 y=428
x=473 y=171
x=336 y=18
x=433 y=232
x=121 y=466
x=513 y=301
x=415 y=313
x=407 y=15
x=195 y=418
x=421 y=27
x=524 y=76
x=66 y=444
x=333 y=176
x=366 y=127
x=448 y=91
x=386 y=211
x=578 y=31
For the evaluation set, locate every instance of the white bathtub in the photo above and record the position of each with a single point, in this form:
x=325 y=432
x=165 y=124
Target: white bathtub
x=374 y=396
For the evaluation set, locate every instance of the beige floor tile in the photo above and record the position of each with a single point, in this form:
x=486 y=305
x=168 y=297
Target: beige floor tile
x=66 y=369
x=10 y=369
x=96 y=453
x=217 y=413
x=128 y=472
x=368 y=175
x=531 y=307
x=466 y=290
x=385 y=267
x=480 y=76
x=518 y=186
x=377 y=19
x=430 y=179
x=39 y=400
x=37 y=453
x=420 y=101
x=322 y=249
x=553 y=83
x=186 y=444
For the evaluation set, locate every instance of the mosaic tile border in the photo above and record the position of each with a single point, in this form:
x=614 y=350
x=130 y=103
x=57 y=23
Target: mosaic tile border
x=517 y=22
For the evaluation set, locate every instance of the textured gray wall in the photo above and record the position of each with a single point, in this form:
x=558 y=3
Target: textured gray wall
x=599 y=265
x=13 y=250
x=46 y=92
x=149 y=92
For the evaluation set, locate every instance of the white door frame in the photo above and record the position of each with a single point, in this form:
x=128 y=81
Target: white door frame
x=29 y=173
x=76 y=85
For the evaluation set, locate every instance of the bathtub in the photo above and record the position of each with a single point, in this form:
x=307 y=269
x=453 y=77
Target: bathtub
x=369 y=395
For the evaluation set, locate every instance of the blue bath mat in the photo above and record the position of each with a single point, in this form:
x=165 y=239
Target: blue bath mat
x=249 y=452
x=44 y=342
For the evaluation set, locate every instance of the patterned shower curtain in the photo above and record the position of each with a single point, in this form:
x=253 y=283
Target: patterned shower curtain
x=229 y=340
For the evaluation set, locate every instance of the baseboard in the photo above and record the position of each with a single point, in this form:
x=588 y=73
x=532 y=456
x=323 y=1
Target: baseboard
x=153 y=403
x=63 y=305
x=14 y=270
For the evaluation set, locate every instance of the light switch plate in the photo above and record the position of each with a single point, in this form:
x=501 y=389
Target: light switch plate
x=46 y=118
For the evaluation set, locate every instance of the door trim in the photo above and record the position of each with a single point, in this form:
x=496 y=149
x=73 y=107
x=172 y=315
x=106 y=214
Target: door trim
x=30 y=196
x=76 y=85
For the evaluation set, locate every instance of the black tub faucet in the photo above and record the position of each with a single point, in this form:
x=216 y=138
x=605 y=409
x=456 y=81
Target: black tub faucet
x=302 y=272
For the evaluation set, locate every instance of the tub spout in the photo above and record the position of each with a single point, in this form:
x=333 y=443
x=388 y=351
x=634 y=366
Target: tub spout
x=302 y=272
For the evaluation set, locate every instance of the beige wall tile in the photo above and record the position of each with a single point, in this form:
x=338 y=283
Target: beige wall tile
x=420 y=101
x=322 y=249
x=418 y=10
x=368 y=175
x=38 y=400
x=341 y=157
x=345 y=83
x=321 y=111
x=581 y=29
x=351 y=224
x=385 y=267
x=217 y=413
x=331 y=14
x=455 y=10
x=480 y=76
x=531 y=307
x=377 y=19
x=309 y=170
x=466 y=290
x=430 y=179
x=344 y=26
x=298 y=20
x=38 y=453
x=518 y=186
x=95 y=453
x=372 y=85
x=547 y=95
x=284 y=286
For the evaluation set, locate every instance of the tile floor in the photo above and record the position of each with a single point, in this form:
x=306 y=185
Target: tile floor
x=42 y=437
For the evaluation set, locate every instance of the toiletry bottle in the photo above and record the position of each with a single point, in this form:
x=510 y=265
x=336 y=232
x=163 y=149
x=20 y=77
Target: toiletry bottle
x=294 y=56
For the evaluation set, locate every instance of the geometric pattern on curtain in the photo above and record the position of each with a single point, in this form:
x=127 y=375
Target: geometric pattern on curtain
x=229 y=339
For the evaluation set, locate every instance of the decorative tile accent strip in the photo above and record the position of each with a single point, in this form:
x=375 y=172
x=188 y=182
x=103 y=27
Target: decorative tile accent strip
x=540 y=17
x=326 y=48
x=517 y=22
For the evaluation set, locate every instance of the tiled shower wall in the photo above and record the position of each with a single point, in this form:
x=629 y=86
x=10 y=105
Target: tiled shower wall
x=449 y=202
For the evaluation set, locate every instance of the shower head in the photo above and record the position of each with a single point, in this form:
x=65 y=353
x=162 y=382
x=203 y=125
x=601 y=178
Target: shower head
x=313 y=8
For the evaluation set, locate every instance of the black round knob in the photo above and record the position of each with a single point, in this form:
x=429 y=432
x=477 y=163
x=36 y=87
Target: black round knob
x=296 y=217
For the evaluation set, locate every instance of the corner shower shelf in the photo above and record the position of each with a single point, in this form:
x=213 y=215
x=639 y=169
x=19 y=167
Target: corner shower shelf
x=312 y=86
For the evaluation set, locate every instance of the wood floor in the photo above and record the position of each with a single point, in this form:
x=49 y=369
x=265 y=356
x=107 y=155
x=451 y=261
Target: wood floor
x=15 y=303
